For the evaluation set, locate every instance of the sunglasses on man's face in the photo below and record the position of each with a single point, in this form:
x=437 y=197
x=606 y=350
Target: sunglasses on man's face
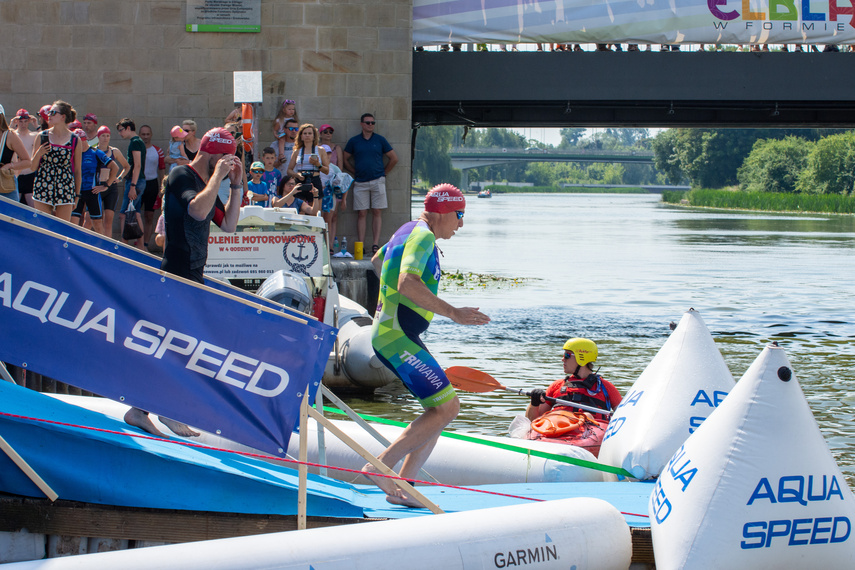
x=370 y=122
x=257 y=171
x=568 y=355
x=293 y=128
x=459 y=214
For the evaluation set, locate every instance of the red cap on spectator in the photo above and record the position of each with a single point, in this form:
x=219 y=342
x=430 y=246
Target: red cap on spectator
x=178 y=132
x=43 y=113
x=75 y=125
x=325 y=127
x=91 y=117
x=444 y=198
x=23 y=115
x=103 y=129
x=218 y=141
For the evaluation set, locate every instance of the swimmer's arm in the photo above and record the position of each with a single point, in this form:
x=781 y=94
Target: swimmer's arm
x=413 y=288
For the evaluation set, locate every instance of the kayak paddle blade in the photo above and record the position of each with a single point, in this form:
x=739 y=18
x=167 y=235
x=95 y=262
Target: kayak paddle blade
x=471 y=380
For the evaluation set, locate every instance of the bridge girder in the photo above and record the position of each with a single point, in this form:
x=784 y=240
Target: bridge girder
x=634 y=89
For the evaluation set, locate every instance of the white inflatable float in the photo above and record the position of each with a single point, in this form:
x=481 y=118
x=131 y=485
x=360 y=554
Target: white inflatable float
x=569 y=533
x=675 y=393
x=756 y=485
x=452 y=461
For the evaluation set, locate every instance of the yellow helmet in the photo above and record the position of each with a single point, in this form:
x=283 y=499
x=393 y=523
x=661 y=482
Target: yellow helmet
x=584 y=349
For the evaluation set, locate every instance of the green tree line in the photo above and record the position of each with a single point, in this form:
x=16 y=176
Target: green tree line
x=802 y=161
x=805 y=161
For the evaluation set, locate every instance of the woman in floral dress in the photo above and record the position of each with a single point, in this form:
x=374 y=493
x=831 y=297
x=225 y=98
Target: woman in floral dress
x=57 y=154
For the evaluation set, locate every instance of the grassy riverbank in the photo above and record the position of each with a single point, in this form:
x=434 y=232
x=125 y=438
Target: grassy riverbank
x=765 y=201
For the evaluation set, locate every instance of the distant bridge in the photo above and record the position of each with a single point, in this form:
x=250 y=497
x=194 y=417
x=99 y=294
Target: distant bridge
x=466 y=158
x=463 y=158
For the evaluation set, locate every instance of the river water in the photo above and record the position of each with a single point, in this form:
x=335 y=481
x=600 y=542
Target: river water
x=618 y=268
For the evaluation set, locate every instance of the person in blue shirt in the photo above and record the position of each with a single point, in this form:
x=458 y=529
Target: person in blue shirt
x=98 y=171
x=257 y=191
x=369 y=157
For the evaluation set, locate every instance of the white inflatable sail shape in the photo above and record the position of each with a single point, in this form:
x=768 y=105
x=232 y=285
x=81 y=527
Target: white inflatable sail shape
x=677 y=391
x=756 y=485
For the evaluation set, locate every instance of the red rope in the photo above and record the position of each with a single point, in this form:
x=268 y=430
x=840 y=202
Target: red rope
x=283 y=459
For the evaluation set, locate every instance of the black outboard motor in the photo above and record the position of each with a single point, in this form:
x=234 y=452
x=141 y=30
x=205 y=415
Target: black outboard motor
x=287 y=289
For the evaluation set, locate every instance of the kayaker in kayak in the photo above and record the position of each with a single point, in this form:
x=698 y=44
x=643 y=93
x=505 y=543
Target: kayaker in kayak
x=580 y=385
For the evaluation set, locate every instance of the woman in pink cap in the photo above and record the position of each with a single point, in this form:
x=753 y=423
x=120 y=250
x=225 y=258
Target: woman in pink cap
x=110 y=197
x=26 y=176
x=326 y=139
x=10 y=147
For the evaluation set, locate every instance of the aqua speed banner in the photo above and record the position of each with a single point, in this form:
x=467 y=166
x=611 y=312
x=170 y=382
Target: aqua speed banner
x=166 y=345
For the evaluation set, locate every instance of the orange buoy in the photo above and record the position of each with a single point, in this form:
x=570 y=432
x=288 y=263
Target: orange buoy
x=246 y=120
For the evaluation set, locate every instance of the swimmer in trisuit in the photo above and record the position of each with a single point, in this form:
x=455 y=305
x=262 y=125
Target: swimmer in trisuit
x=409 y=280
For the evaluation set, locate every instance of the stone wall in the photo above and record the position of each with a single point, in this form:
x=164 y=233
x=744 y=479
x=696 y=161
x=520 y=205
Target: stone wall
x=116 y=58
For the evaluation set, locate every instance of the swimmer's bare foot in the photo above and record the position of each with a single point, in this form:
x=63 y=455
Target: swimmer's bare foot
x=394 y=494
x=138 y=418
x=386 y=485
x=401 y=498
x=178 y=428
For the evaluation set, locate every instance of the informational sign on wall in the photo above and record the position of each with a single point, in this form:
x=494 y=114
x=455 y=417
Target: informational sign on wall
x=223 y=15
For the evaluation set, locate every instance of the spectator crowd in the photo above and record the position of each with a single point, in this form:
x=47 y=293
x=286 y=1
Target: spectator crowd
x=60 y=164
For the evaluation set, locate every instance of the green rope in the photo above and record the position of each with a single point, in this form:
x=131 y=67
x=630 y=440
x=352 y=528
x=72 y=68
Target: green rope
x=507 y=447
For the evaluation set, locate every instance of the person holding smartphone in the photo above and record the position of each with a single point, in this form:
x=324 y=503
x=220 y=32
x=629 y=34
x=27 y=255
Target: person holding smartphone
x=308 y=161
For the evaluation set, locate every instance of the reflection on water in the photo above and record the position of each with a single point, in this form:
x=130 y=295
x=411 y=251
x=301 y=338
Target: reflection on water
x=766 y=230
x=618 y=269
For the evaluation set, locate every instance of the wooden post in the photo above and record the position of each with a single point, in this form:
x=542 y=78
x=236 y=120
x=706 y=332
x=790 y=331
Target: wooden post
x=322 y=447
x=28 y=471
x=379 y=465
x=302 y=468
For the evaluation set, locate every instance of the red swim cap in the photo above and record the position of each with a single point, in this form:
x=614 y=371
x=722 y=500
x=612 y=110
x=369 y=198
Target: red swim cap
x=444 y=198
x=218 y=141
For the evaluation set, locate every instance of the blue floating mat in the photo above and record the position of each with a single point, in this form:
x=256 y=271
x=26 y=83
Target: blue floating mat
x=89 y=457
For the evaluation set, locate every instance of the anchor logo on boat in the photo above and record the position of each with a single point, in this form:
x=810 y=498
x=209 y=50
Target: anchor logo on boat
x=296 y=261
x=301 y=257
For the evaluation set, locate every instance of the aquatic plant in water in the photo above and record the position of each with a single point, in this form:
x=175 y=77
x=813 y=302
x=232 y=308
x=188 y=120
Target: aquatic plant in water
x=460 y=280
